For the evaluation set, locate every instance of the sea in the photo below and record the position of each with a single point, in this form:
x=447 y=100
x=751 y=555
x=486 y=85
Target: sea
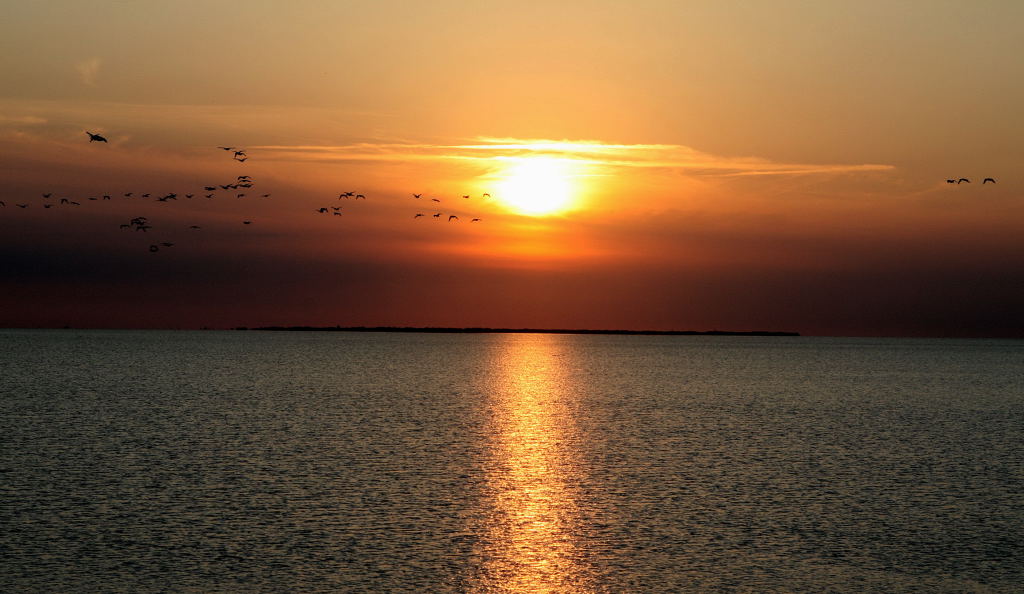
x=250 y=461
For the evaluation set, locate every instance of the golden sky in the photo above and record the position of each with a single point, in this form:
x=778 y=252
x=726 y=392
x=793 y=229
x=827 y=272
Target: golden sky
x=661 y=165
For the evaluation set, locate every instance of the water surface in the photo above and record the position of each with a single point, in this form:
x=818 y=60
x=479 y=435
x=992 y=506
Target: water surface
x=253 y=461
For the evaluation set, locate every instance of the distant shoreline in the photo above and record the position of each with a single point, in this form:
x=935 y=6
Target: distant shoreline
x=432 y=330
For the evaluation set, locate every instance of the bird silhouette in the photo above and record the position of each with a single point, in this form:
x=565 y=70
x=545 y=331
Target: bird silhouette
x=962 y=179
x=210 y=188
x=450 y=217
x=486 y=195
x=194 y=227
x=227 y=148
x=21 y=205
x=465 y=196
x=95 y=137
x=417 y=215
x=417 y=195
x=475 y=220
x=47 y=195
x=437 y=216
x=435 y=200
x=988 y=179
x=950 y=181
x=246 y=222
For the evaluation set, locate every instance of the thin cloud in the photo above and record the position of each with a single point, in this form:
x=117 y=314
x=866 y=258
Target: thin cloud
x=88 y=71
x=583 y=152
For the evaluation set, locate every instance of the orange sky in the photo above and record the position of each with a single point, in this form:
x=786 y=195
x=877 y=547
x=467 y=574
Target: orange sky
x=734 y=166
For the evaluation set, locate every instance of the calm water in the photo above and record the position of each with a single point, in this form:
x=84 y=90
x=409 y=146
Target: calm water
x=247 y=461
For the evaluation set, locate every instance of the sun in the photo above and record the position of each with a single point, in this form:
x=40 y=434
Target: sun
x=536 y=186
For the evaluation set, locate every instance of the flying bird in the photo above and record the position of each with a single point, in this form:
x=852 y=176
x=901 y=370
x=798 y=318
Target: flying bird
x=435 y=199
x=950 y=181
x=437 y=216
x=417 y=215
x=47 y=195
x=417 y=195
x=988 y=179
x=210 y=188
x=474 y=220
x=246 y=222
x=963 y=179
x=486 y=195
x=465 y=196
x=227 y=148
x=450 y=217
x=194 y=227
x=21 y=205
x=95 y=137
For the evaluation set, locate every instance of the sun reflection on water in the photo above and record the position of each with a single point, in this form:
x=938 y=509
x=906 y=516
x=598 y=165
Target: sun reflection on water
x=533 y=529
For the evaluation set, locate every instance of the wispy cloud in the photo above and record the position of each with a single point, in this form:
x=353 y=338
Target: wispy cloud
x=584 y=152
x=88 y=71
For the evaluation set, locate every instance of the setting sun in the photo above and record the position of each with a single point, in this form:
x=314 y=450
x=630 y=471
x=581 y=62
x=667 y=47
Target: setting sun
x=536 y=186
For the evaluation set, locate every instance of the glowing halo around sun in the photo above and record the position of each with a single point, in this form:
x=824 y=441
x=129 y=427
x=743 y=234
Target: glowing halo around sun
x=536 y=186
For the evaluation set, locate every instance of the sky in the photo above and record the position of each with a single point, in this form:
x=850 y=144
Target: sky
x=648 y=165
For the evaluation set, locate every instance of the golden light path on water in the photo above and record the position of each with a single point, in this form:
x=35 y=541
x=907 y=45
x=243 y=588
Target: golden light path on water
x=534 y=524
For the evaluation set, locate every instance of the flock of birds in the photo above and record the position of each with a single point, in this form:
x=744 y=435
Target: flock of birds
x=243 y=182
x=963 y=180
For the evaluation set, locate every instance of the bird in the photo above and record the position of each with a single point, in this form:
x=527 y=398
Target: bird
x=107 y=196
x=95 y=137
x=963 y=179
x=417 y=215
x=242 y=195
x=240 y=153
x=210 y=188
x=417 y=195
x=209 y=195
x=127 y=194
x=437 y=216
x=21 y=205
x=450 y=217
x=321 y=210
x=435 y=199
x=266 y=195
x=475 y=220
x=246 y=222
x=239 y=160
x=189 y=195
x=358 y=196
x=64 y=201
x=145 y=195
x=337 y=214
x=465 y=196
x=950 y=181
x=194 y=227
x=47 y=195
x=227 y=148
x=988 y=179
x=486 y=195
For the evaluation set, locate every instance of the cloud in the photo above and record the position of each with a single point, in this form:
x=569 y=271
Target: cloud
x=584 y=152
x=88 y=70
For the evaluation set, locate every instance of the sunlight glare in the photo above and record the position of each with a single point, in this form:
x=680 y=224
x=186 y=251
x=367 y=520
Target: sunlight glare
x=537 y=186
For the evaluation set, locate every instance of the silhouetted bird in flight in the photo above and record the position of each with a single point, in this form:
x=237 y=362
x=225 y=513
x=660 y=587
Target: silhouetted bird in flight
x=246 y=222
x=950 y=181
x=417 y=215
x=465 y=196
x=417 y=195
x=195 y=227
x=435 y=199
x=266 y=195
x=486 y=195
x=227 y=148
x=127 y=194
x=106 y=196
x=210 y=188
x=450 y=217
x=47 y=195
x=437 y=216
x=240 y=153
x=95 y=137
x=321 y=210
x=962 y=179
x=21 y=205
x=474 y=220
x=358 y=196
x=988 y=179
